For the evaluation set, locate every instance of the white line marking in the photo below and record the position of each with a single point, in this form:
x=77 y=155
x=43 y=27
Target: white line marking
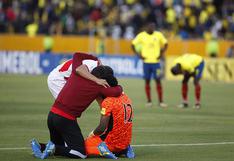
x=19 y=148
x=146 y=145
x=192 y=144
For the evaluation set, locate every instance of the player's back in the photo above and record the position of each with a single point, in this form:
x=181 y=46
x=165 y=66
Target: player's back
x=189 y=61
x=62 y=71
x=122 y=114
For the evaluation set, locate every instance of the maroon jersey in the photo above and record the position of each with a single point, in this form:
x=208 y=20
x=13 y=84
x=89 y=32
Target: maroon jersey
x=78 y=93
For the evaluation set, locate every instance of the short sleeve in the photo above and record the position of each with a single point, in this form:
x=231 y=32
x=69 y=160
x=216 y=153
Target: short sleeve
x=107 y=106
x=91 y=64
x=137 y=39
x=163 y=40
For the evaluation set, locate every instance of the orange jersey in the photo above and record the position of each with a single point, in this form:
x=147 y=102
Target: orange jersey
x=122 y=113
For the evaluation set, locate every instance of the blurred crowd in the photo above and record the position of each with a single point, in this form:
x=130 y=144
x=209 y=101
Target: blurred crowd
x=119 y=18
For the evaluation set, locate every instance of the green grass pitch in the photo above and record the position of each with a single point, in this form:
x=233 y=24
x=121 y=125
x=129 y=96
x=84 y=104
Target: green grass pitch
x=175 y=133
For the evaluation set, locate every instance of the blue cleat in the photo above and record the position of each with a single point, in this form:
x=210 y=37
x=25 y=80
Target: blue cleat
x=36 y=148
x=49 y=150
x=104 y=151
x=130 y=153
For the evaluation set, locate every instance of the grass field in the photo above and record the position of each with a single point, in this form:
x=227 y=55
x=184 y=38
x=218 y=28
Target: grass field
x=176 y=134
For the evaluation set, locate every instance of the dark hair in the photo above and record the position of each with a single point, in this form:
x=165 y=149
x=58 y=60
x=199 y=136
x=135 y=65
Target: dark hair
x=176 y=69
x=102 y=71
x=105 y=72
x=112 y=81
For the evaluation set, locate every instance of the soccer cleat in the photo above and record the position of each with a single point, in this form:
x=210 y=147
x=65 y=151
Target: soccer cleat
x=49 y=150
x=149 y=104
x=183 y=105
x=36 y=148
x=163 y=105
x=130 y=153
x=197 y=106
x=104 y=151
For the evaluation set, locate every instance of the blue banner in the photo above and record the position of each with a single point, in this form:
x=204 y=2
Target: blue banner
x=22 y=62
x=124 y=66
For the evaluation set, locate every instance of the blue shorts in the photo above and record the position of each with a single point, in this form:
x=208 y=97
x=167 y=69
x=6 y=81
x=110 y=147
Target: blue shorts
x=152 y=69
x=199 y=70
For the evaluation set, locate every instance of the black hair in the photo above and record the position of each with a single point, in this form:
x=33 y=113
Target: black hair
x=105 y=72
x=112 y=81
x=102 y=71
x=175 y=70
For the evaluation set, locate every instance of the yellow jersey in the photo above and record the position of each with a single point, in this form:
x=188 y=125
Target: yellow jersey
x=150 y=45
x=189 y=62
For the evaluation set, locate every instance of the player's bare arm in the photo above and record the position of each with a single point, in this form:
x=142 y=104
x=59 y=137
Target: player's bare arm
x=137 y=53
x=100 y=129
x=162 y=51
x=83 y=71
x=99 y=101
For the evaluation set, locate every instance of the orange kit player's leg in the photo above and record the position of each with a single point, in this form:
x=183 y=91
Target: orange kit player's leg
x=91 y=145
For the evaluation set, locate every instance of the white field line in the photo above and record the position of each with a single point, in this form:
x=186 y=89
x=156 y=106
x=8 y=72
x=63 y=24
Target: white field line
x=145 y=145
x=19 y=148
x=191 y=144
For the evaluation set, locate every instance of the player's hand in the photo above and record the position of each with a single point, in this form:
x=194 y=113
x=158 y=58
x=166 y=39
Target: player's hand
x=141 y=57
x=159 y=57
x=99 y=62
x=102 y=82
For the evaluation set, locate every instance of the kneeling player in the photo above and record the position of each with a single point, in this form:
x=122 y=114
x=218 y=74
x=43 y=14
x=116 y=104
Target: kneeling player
x=114 y=132
x=190 y=65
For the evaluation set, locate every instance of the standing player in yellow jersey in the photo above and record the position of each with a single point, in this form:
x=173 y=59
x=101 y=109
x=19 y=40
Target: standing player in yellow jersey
x=150 y=46
x=114 y=132
x=190 y=65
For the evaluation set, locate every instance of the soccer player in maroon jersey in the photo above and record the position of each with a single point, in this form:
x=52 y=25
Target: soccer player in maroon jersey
x=58 y=77
x=77 y=94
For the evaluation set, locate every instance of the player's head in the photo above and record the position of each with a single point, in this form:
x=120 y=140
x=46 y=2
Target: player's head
x=101 y=71
x=105 y=72
x=111 y=80
x=150 y=27
x=175 y=70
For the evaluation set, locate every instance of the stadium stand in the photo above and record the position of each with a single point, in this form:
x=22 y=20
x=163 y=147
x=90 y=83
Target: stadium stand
x=118 y=18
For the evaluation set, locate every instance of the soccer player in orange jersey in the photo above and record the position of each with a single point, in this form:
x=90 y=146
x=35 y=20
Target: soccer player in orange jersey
x=114 y=132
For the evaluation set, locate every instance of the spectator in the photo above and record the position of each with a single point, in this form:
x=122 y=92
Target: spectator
x=100 y=43
x=32 y=29
x=187 y=18
x=48 y=43
x=212 y=48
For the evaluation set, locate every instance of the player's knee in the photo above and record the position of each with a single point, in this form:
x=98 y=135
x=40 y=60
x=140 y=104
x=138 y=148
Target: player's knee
x=196 y=82
x=158 y=80
x=185 y=81
x=147 y=81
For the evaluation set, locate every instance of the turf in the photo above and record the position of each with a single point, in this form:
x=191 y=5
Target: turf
x=25 y=102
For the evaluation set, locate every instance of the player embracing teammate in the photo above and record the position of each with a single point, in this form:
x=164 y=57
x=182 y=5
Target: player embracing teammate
x=87 y=81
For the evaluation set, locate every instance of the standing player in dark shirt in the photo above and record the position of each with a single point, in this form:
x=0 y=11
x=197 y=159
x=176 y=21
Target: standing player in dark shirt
x=77 y=94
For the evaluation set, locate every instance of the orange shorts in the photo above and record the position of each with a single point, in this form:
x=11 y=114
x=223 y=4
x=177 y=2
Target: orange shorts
x=91 y=146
